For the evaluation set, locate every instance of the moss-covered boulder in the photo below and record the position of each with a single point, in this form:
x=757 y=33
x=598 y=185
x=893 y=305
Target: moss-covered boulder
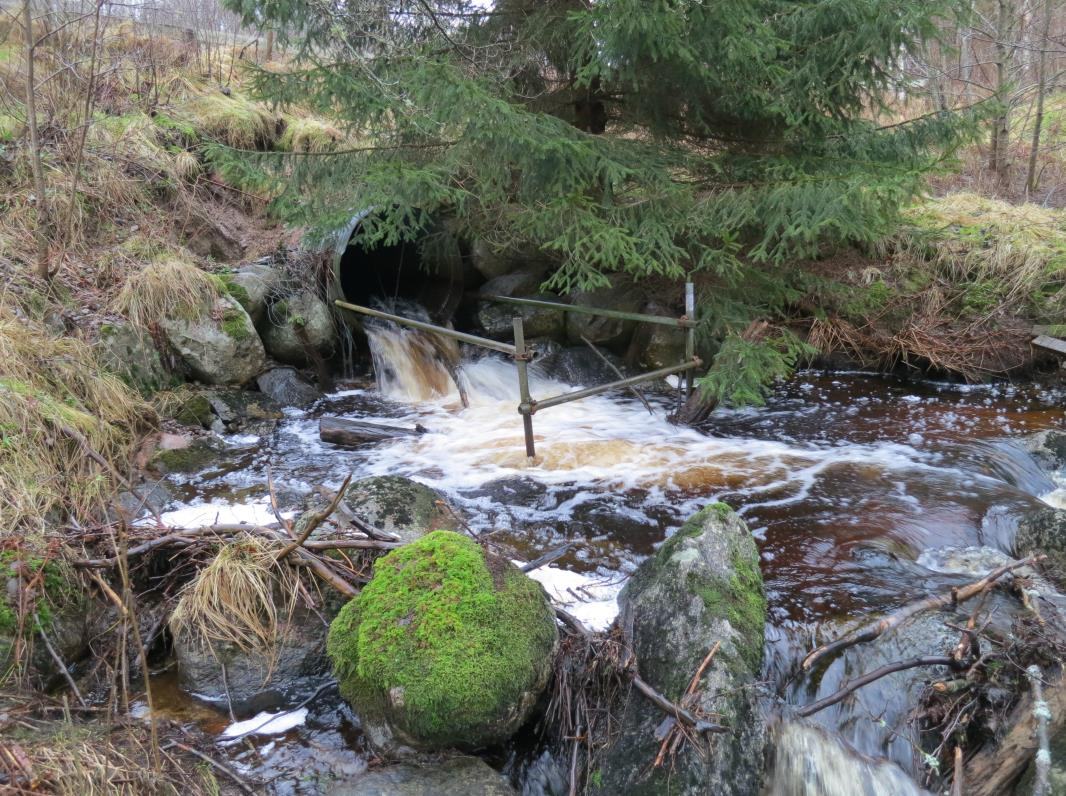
x=702 y=586
x=400 y=506
x=447 y=646
x=131 y=355
x=1044 y=532
x=297 y=324
x=456 y=776
x=221 y=347
x=252 y=287
x=67 y=616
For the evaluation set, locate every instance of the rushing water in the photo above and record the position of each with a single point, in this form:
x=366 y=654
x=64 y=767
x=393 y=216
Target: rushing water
x=860 y=489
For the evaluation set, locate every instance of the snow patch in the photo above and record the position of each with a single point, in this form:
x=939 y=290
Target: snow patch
x=593 y=600
x=266 y=724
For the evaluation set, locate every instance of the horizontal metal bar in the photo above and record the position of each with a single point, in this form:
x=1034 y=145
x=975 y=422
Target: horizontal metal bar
x=566 y=397
x=484 y=342
x=682 y=323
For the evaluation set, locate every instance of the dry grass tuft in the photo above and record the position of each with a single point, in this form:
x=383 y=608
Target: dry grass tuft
x=233 y=120
x=49 y=387
x=168 y=287
x=974 y=240
x=75 y=760
x=309 y=134
x=234 y=599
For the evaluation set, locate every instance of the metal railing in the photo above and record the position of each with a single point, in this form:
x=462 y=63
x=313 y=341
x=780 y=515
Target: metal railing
x=522 y=355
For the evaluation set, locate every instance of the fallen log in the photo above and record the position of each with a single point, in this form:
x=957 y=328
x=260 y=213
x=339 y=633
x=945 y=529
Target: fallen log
x=341 y=431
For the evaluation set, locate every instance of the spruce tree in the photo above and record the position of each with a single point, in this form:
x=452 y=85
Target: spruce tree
x=650 y=137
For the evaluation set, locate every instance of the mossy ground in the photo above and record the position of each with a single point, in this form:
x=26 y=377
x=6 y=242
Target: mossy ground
x=462 y=636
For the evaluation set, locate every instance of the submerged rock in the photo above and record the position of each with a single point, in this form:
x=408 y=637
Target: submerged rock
x=578 y=365
x=303 y=315
x=287 y=387
x=220 y=348
x=808 y=761
x=401 y=506
x=458 y=776
x=445 y=647
x=702 y=586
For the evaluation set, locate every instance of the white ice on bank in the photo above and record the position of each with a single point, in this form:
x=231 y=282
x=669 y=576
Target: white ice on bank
x=266 y=723
x=218 y=512
x=591 y=599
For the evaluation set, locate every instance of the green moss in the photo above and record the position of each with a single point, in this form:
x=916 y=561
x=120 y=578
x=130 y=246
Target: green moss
x=233 y=289
x=234 y=324
x=740 y=599
x=461 y=643
x=195 y=412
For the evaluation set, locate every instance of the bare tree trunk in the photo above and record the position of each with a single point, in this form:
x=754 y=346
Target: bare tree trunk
x=998 y=161
x=87 y=115
x=1041 y=91
x=269 y=54
x=35 y=147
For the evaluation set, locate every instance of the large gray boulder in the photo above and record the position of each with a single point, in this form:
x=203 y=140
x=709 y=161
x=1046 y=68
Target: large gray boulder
x=609 y=332
x=130 y=354
x=401 y=506
x=457 y=776
x=305 y=316
x=287 y=387
x=222 y=347
x=702 y=586
x=492 y=262
x=497 y=319
x=254 y=680
x=656 y=346
x=253 y=286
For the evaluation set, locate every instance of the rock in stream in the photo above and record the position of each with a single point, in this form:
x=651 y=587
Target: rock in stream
x=702 y=586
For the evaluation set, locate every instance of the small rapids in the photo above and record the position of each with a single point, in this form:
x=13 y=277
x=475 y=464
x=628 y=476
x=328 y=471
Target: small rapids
x=853 y=484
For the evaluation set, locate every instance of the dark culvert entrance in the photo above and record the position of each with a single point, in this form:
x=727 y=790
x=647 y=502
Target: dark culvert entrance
x=429 y=271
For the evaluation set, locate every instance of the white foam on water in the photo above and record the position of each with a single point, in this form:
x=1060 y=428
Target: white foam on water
x=266 y=723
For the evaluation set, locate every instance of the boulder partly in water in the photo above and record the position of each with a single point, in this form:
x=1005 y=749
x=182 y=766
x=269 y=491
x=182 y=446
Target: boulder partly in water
x=702 y=586
x=446 y=647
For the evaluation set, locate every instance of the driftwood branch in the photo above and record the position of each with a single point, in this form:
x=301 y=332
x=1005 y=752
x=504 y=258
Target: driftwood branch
x=547 y=558
x=852 y=686
x=356 y=521
x=58 y=661
x=353 y=433
x=675 y=710
x=618 y=373
x=872 y=630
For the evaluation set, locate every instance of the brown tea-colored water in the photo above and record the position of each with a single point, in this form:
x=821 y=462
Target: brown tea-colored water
x=854 y=485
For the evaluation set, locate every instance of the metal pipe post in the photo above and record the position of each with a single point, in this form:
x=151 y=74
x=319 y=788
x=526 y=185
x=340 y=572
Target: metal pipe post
x=566 y=397
x=619 y=314
x=525 y=408
x=690 y=333
x=462 y=337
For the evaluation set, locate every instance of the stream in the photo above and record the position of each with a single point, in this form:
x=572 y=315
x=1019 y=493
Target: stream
x=862 y=491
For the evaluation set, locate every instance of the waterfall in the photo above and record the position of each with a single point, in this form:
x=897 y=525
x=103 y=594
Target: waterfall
x=411 y=365
x=810 y=762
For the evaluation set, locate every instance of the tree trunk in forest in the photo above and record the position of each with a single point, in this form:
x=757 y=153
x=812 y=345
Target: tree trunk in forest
x=269 y=54
x=998 y=161
x=1041 y=91
x=41 y=202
